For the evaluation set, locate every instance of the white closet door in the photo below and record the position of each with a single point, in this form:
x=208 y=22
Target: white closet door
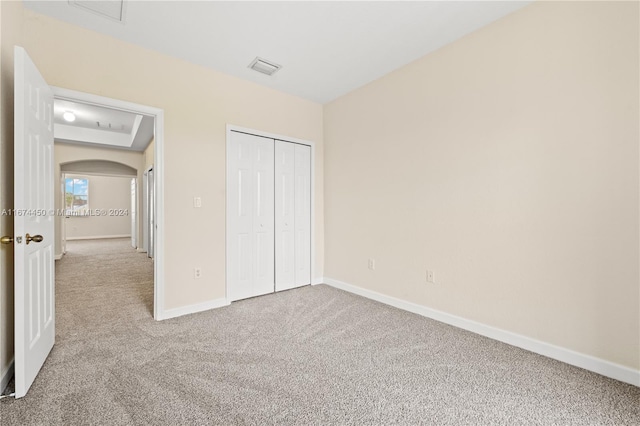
x=250 y=238
x=293 y=215
x=302 y=213
x=263 y=209
x=285 y=215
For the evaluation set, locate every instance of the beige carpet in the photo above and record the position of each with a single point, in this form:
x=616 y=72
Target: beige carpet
x=314 y=355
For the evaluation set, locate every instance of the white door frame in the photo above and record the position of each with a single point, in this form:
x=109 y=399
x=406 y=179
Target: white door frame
x=151 y=217
x=158 y=114
x=134 y=212
x=63 y=222
x=145 y=210
x=232 y=127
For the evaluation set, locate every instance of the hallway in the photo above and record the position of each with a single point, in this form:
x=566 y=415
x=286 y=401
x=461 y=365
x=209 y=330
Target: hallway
x=100 y=282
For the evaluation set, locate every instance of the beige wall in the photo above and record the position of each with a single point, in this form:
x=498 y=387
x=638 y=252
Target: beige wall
x=198 y=103
x=506 y=162
x=69 y=153
x=109 y=194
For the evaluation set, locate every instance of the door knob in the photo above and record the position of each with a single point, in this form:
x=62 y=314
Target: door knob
x=6 y=240
x=35 y=238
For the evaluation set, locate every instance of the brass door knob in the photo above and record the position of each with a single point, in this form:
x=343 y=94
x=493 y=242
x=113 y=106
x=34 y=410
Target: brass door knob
x=6 y=240
x=35 y=238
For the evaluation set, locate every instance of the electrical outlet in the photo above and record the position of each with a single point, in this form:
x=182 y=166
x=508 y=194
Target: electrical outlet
x=197 y=202
x=372 y=264
x=197 y=273
x=430 y=277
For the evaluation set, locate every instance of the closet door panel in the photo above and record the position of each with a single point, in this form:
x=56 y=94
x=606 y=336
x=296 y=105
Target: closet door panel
x=263 y=217
x=240 y=232
x=250 y=270
x=284 y=215
x=302 y=215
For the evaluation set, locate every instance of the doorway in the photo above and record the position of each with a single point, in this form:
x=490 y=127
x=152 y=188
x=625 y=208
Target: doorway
x=156 y=210
x=34 y=313
x=96 y=205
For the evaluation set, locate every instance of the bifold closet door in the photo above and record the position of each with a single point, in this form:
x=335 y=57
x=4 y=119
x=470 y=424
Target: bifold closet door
x=250 y=233
x=302 y=213
x=292 y=215
x=284 y=215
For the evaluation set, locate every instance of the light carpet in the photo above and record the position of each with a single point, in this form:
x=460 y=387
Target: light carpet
x=309 y=356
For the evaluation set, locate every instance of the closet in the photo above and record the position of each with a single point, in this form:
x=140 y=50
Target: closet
x=268 y=215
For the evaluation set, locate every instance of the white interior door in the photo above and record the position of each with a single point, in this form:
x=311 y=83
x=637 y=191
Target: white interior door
x=33 y=222
x=302 y=215
x=134 y=213
x=284 y=215
x=250 y=197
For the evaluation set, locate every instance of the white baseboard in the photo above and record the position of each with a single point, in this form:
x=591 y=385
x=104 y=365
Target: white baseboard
x=588 y=362
x=141 y=250
x=318 y=280
x=192 y=309
x=57 y=257
x=7 y=374
x=98 y=237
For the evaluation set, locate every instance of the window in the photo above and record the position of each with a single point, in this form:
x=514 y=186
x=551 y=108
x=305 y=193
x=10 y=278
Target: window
x=76 y=196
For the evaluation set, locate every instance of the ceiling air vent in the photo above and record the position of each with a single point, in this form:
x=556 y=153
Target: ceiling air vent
x=111 y=9
x=264 y=66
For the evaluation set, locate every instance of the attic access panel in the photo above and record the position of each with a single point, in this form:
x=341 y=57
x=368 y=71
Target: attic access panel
x=111 y=9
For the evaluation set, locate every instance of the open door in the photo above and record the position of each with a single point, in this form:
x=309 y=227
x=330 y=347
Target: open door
x=33 y=222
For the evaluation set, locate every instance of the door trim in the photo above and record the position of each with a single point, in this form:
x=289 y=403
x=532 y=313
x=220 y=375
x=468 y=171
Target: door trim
x=158 y=114
x=234 y=128
x=135 y=226
x=63 y=221
x=145 y=210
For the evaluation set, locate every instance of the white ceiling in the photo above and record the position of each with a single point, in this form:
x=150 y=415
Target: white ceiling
x=101 y=126
x=96 y=117
x=326 y=49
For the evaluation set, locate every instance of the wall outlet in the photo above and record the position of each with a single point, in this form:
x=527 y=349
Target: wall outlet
x=197 y=202
x=430 y=277
x=197 y=273
x=372 y=264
